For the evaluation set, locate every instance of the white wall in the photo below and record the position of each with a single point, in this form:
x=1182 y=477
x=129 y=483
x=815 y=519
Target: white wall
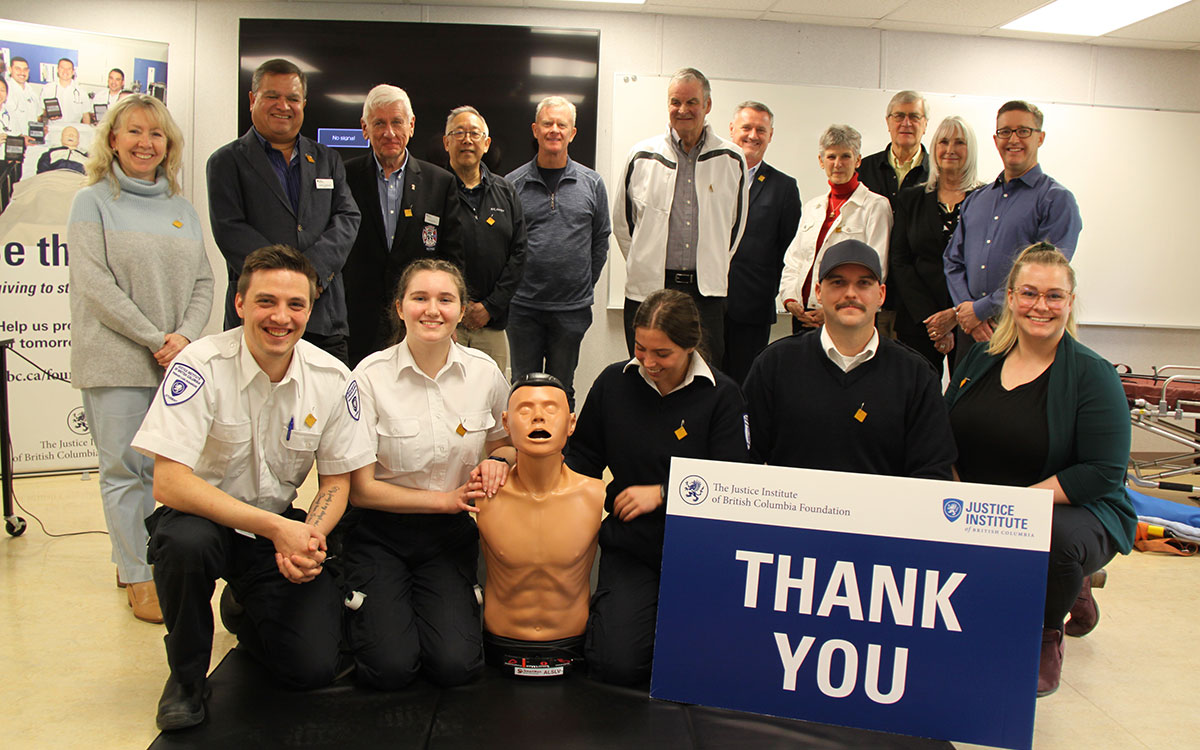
x=203 y=62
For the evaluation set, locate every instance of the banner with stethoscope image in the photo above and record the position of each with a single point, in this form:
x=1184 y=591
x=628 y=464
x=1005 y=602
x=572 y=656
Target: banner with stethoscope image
x=57 y=85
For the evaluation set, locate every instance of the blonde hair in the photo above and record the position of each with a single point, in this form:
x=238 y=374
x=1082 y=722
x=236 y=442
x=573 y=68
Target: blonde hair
x=1004 y=337
x=99 y=163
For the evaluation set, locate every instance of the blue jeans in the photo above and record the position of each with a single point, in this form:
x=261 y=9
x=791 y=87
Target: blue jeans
x=126 y=476
x=547 y=341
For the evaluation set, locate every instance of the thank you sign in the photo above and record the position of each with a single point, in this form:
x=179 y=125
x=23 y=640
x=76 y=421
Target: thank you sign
x=901 y=605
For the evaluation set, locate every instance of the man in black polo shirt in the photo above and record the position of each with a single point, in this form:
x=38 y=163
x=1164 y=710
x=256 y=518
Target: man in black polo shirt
x=844 y=398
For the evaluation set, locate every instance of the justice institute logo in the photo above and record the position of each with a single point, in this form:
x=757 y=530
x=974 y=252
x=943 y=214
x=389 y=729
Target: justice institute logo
x=77 y=421
x=693 y=490
x=952 y=508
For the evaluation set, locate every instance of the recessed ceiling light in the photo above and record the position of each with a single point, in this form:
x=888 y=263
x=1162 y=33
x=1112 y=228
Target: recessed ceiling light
x=1089 y=17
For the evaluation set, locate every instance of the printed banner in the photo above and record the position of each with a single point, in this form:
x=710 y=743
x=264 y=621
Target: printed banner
x=901 y=605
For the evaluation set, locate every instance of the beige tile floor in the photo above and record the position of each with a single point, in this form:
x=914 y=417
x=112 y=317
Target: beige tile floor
x=77 y=670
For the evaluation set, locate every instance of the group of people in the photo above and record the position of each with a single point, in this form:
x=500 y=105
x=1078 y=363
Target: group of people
x=60 y=99
x=411 y=275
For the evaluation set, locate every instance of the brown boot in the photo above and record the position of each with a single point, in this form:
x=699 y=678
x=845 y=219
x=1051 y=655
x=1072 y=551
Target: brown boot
x=1050 y=665
x=143 y=597
x=1085 y=614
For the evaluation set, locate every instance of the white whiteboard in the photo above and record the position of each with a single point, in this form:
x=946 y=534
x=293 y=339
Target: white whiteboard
x=1138 y=249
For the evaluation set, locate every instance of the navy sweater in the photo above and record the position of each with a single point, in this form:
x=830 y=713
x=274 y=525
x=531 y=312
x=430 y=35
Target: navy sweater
x=803 y=411
x=628 y=427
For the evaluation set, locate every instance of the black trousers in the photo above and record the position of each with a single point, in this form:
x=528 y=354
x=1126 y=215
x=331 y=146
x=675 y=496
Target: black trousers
x=712 y=318
x=916 y=336
x=296 y=628
x=743 y=342
x=420 y=613
x=1079 y=546
x=619 y=644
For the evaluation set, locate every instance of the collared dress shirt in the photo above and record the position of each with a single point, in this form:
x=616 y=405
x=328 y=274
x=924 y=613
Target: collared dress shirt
x=996 y=222
x=218 y=413
x=428 y=432
x=848 y=363
x=391 y=188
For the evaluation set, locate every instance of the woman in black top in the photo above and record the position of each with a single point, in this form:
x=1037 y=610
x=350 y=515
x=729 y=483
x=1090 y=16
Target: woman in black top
x=925 y=218
x=664 y=402
x=1034 y=407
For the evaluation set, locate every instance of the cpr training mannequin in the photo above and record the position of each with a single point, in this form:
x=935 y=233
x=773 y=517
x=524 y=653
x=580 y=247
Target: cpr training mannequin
x=538 y=534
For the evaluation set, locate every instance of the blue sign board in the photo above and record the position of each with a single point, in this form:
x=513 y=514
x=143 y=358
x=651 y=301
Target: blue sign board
x=341 y=138
x=900 y=605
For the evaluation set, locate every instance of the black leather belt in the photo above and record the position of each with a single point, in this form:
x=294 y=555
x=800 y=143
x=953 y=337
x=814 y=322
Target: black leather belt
x=681 y=277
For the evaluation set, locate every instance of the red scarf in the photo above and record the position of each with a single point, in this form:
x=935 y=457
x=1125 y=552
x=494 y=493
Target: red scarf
x=838 y=195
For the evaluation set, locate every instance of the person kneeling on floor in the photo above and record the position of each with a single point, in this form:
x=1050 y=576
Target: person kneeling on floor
x=233 y=431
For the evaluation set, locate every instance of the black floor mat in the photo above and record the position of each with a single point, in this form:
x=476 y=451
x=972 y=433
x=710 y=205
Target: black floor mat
x=246 y=709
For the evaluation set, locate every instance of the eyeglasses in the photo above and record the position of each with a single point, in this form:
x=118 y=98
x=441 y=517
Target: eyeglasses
x=912 y=117
x=474 y=136
x=1005 y=133
x=1027 y=296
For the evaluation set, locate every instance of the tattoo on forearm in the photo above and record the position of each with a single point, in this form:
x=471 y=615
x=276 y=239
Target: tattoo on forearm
x=320 y=505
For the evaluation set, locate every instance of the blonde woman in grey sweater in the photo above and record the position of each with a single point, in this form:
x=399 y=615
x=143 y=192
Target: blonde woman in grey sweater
x=141 y=290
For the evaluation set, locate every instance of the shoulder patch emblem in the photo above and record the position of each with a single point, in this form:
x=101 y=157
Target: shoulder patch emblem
x=352 y=403
x=181 y=383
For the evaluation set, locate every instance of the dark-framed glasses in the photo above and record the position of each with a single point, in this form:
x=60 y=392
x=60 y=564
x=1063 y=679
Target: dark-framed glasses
x=902 y=116
x=1005 y=133
x=474 y=136
x=1027 y=296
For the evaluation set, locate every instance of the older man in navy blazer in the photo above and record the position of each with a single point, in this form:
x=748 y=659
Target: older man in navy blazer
x=770 y=226
x=409 y=209
x=274 y=186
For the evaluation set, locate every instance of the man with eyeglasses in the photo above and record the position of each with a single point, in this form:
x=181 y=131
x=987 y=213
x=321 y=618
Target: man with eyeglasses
x=904 y=162
x=493 y=235
x=274 y=186
x=410 y=211
x=680 y=210
x=1022 y=206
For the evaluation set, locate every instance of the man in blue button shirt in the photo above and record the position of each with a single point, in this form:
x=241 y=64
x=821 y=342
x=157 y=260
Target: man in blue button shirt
x=410 y=211
x=1022 y=206
x=274 y=186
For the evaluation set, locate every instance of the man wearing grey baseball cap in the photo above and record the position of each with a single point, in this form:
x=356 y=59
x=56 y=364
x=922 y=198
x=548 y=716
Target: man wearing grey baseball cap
x=842 y=398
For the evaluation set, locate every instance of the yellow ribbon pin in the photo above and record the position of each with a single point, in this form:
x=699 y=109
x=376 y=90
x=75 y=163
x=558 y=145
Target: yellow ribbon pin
x=762 y=177
x=310 y=159
x=408 y=213
x=490 y=221
x=177 y=224
x=310 y=420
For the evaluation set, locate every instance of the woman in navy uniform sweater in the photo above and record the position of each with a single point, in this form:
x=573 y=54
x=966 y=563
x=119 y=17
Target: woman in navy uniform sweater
x=664 y=402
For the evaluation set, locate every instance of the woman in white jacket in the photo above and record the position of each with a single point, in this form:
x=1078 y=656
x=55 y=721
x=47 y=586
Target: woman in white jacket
x=849 y=211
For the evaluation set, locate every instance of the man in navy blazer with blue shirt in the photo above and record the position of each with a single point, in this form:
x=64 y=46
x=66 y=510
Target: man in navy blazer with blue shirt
x=274 y=186
x=770 y=225
x=409 y=209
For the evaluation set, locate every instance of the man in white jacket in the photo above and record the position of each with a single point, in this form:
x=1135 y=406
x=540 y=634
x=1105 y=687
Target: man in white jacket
x=680 y=210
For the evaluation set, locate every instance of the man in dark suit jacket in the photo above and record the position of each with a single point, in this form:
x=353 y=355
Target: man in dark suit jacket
x=770 y=226
x=904 y=162
x=274 y=186
x=410 y=211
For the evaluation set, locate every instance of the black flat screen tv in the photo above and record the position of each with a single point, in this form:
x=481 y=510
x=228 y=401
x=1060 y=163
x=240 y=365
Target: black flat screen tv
x=503 y=71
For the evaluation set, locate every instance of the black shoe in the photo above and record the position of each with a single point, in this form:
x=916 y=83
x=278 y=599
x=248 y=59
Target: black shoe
x=233 y=614
x=181 y=705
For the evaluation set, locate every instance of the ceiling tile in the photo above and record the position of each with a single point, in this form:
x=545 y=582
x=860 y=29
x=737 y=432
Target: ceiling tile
x=819 y=20
x=845 y=8
x=1180 y=24
x=971 y=13
x=704 y=12
x=931 y=28
x=705 y=7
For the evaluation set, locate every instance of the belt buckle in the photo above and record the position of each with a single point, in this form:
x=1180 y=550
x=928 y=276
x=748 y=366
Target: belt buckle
x=685 y=277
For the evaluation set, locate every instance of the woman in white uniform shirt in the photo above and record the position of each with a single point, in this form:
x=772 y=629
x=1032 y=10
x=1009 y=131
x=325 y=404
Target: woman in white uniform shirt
x=435 y=409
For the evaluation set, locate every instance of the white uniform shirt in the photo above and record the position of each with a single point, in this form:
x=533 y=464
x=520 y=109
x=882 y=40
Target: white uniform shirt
x=71 y=100
x=23 y=105
x=430 y=433
x=218 y=413
x=846 y=363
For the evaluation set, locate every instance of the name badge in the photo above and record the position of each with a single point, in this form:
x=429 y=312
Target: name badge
x=431 y=219
x=324 y=183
